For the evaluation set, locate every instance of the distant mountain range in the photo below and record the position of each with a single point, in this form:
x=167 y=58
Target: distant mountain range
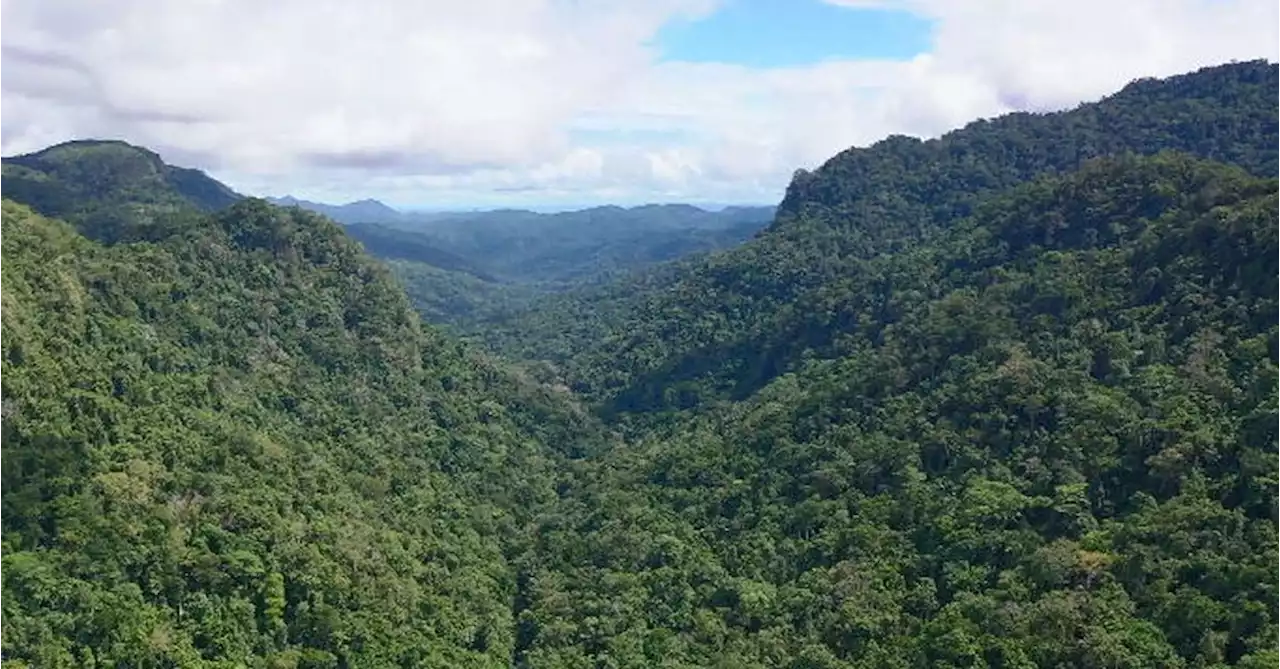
x=572 y=247
x=360 y=211
x=112 y=191
x=369 y=210
x=527 y=254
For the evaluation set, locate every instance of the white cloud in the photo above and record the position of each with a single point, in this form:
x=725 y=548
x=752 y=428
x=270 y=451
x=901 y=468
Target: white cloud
x=394 y=83
x=420 y=101
x=1052 y=54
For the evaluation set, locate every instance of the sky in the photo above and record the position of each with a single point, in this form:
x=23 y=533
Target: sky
x=495 y=103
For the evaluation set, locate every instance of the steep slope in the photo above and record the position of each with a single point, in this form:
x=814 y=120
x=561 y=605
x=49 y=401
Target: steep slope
x=109 y=189
x=236 y=447
x=1050 y=442
x=723 y=327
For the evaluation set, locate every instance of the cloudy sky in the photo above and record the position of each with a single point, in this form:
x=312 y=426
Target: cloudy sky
x=441 y=103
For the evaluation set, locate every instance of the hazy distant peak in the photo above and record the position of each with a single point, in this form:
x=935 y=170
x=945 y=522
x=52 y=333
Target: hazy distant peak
x=369 y=202
x=367 y=210
x=371 y=206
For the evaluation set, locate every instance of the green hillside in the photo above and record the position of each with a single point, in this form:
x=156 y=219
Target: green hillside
x=1049 y=442
x=453 y=298
x=392 y=244
x=238 y=443
x=1000 y=400
x=724 y=326
x=110 y=190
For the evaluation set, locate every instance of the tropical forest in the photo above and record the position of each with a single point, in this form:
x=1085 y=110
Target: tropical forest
x=1003 y=398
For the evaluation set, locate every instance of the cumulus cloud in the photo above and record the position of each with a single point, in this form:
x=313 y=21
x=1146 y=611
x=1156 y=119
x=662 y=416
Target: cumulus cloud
x=434 y=101
x=482 y=82
x=1052 y=54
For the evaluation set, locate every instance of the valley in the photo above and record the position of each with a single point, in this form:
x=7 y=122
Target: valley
x=1002 y=398
x=463 y=267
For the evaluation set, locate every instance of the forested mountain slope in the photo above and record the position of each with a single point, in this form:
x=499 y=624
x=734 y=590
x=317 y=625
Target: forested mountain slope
x=236 y=446
x=109 y=189
x=1050 y=441
x=723 y=326
x=455 y=299
x=988 y=401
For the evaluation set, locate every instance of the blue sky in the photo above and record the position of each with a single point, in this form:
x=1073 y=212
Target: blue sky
x=789 y=33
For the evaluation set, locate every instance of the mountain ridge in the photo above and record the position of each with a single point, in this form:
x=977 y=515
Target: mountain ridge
x=996 y=471
x=977 y=404
x=1059 y=145
x=371 y=210
x=758 y=310
x=192 y=184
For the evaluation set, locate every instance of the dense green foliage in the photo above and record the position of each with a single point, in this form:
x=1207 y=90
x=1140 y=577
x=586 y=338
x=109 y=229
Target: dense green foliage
x=238 y=443
x=110 y=190
x=456 y=299
x=1006 y=399
x=1049 y=440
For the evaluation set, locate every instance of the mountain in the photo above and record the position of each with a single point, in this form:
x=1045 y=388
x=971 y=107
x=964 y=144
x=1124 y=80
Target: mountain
x=997 y=399
x=1049 y=441
x=722 y=327
x=108 y=188
x=235 y=446
x=109 y=170
x=1007 y=398
x=360 y=211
